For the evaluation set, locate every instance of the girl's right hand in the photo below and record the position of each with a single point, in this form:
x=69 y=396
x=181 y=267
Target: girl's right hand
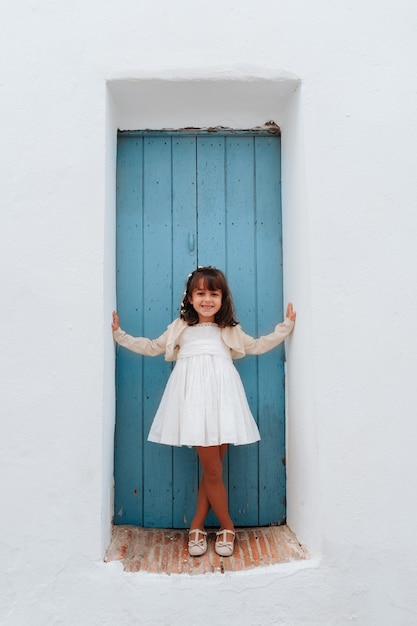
x=116 y=324
x=291 y=314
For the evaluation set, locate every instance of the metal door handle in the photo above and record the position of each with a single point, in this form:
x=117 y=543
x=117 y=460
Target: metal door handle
x=191 y=242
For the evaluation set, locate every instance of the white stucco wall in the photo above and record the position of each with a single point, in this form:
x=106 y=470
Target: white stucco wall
x=340 y=79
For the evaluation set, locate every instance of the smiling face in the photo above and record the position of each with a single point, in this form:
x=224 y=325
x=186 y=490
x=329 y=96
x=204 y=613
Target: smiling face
x=213 y=281
x=206 y=302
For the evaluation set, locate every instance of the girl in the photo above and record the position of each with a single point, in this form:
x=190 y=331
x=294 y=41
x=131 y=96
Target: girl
x=204 y=403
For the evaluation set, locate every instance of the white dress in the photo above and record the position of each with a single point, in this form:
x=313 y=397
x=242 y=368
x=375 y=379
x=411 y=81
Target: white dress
x=204 y=402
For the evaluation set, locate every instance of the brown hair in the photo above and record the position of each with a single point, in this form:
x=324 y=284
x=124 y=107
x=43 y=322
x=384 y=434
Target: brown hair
x=213 y=279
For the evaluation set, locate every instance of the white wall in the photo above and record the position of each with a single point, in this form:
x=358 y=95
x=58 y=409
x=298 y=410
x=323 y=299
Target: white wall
x=71 y=73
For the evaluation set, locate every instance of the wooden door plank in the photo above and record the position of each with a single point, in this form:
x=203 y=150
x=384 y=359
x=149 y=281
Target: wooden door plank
x=211 y=222
x=241 y=272
x=211 y=201
x=270 y=310
x=157 y=269
x=184 y=201
x=128 y=449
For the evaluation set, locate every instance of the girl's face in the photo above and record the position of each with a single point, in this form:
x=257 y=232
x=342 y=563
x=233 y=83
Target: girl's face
x=207 y=303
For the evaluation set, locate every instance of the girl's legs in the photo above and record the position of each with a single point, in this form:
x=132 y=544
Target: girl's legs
x=203 y=504
x=212 y=491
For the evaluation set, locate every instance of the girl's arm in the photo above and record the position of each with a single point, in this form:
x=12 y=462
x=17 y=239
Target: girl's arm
x=267 y=342
x=140 y=345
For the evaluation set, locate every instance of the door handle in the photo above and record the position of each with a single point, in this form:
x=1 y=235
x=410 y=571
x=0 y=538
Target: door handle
x=191 y=242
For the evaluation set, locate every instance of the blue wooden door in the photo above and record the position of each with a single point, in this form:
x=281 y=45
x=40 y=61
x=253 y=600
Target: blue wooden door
x=186 y=199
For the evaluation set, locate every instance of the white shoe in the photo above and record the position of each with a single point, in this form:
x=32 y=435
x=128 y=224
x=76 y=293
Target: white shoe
x=222 y=546
x=198 y=545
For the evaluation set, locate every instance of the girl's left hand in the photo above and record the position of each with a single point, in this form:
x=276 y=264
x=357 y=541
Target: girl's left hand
x=116 y=324
x=291 y=314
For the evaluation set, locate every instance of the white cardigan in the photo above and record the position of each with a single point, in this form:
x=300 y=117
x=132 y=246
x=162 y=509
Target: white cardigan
x=239 y=342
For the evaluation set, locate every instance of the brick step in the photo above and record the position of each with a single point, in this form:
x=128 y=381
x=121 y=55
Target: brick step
x=165 y=550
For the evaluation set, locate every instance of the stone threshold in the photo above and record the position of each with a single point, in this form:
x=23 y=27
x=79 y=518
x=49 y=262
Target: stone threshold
x=164 y=551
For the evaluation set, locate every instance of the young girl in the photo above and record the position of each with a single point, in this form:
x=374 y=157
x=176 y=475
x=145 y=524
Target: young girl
x=204 y=403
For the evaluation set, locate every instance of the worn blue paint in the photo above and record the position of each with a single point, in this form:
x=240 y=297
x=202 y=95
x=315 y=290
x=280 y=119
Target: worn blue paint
x=188 y=199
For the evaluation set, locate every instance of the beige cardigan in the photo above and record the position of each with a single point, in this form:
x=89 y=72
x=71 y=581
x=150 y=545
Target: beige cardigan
x=233 y=336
